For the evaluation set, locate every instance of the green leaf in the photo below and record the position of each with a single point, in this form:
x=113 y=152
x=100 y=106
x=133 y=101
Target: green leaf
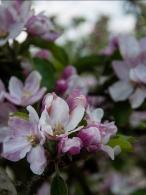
x=125 y=142
x=58 y=186
x=46 y=69
x=121 y=112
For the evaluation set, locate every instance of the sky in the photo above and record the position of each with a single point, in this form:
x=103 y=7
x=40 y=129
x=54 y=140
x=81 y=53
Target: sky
x=91 y=10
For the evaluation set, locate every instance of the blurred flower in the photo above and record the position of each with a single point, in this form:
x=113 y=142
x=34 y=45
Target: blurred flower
x=71 y=81
x=26 y=94
x=97 y=135
x=137 y=117
x=44 y=189
x=112 y=46
x=40 y=25
x=44 y=54
x=71 y=146
x=2 y=91
x=13 y=17
x=61 y=117
x=26 y=140
x=131 y=72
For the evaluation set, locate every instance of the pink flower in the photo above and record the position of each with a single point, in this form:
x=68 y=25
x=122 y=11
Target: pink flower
x=40 y=25
x=13 y=17
x=71 y=81
x=26 y=94
x=71 y=146
x=61 y=117
x=44 y=54
x=2 y=91
x=26 y=140
x=97 y=135
x=131 y=72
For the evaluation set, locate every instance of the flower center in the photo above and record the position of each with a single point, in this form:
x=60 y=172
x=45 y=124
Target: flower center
x=33 y=140
x=27 y=94
x=58 y=129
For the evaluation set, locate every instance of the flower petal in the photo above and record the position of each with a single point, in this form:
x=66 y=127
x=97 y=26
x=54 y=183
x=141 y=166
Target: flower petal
x=120 y=90
x=138 y=97
x=15 y=87
x=121 y=69
x=37 y=159
x=16 y=148
x=32 y=83
x=109 y=150
x=129 y=46
x=75 y=117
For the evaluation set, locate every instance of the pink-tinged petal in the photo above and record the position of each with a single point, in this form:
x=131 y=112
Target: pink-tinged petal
x=37 y=159
x=142 y=43
x=59 y=112
x=129 y=46
x=12 y=99
x=61 y=86
x=121 y=69
x=19 y=126
x=109 y=150
x=15 y=88
x=48 y=99
x=44 y=123
x=75 y=99
x=137 y=98
x=120 y=91
x=6 y=109
x=33 y=98
x=68 y=72
x=32 y=83
x=75 y=118
x=90 y=136
x=70 y=145
x=138 y=74
x=4 y=133
x=2 y=90
x=44 y=189
x=16 y=148
x=94 y=115
x=137 y=117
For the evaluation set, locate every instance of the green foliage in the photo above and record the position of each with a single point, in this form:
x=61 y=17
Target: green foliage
x=46 y=69
x=58 y=186
x=125 y=142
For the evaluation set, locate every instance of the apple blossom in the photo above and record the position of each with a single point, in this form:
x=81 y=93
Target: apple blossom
x=26 y=140
x=131 y=72
x=97 y=135
x=13 y=17
x=71 y=146
x=71 y=81
x=40 y=25
x=26 y=94
x=61 y=117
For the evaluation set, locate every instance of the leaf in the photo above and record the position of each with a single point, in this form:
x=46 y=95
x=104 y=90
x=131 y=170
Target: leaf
x=58 y=186
x=121 y=112
x=46 y=69
x=20 y=114
x=125 y=142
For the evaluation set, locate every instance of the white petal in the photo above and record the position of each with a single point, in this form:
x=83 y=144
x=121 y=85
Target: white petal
x=75 y=117
x=137 y=98
x=15 y=87
x=120 y=90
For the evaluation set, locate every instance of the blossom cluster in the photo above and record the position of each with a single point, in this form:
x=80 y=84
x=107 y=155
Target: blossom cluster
x=131 y=71
x=17 y=16
x=71 y=122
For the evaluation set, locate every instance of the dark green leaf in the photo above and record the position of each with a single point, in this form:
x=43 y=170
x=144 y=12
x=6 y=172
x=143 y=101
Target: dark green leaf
x=58 y=186
x=46 y=69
